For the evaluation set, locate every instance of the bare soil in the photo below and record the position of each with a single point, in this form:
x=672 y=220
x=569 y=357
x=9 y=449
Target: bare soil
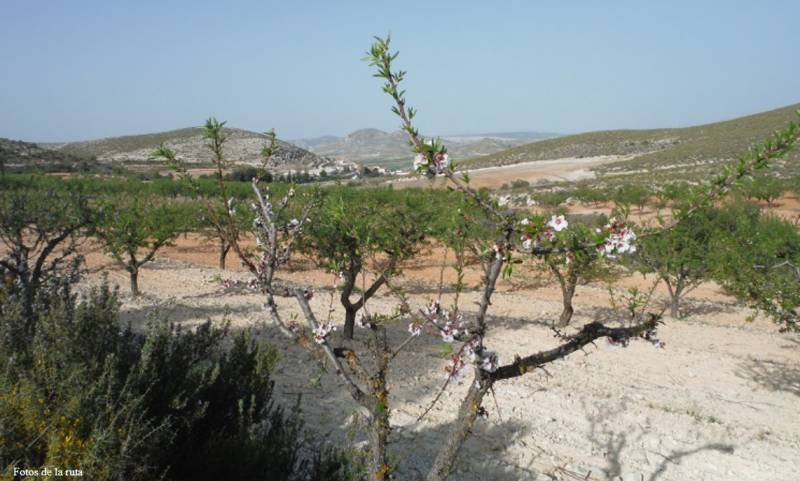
x=720 y=402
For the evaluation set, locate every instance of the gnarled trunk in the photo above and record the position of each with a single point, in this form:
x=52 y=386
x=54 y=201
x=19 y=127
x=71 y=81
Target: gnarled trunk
x=224 y=247
x=349 y=321
x=134 y=275
x=567 y=293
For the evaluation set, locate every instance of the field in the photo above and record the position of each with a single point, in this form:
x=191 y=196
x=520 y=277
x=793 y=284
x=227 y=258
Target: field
x=718 y=403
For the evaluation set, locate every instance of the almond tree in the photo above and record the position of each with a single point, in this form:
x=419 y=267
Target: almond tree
x=352 y=230
x=679 y=256
x=576 y=266
x=40 y=230
x=133 y=228
x=757 y=257
x=432 y=159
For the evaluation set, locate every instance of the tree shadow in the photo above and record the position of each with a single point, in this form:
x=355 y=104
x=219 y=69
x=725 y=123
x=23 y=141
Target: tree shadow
x=480 y=457
x=776 y=376
x=612 y=443
x=177 y=312
x=690 y=307
x=677 y=456
x=794 y=343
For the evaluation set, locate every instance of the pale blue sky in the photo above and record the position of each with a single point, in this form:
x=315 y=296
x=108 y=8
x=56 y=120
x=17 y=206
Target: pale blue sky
x=86 y=69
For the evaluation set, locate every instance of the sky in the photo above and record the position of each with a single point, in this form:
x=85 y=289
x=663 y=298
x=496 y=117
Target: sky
x=81 y=69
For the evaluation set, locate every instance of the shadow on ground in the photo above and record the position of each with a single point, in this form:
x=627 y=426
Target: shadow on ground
x=776 y=376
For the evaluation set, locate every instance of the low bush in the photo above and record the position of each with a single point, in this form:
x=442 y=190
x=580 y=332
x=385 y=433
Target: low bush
x=83 y=392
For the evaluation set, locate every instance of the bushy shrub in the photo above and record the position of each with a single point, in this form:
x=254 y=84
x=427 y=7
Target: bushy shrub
x=84 y=392
x=520 y=184
x=243 y=174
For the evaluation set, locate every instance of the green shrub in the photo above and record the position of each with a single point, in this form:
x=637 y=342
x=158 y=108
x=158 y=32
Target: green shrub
x=84 y=392
x=757 y=258
x=520 y=184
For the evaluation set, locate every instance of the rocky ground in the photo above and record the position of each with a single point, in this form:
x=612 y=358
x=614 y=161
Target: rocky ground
x=718 y=403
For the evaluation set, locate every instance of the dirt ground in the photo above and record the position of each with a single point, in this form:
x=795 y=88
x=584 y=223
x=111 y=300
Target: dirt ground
x=565 y=169
x=718 y=403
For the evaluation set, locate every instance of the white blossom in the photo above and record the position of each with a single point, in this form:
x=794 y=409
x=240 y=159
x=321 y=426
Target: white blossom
x=415 y=329
x=620 y=240
x=420 y=162
x=441 y=161
x=490 y=361
x=322 y=332
x=558 y=223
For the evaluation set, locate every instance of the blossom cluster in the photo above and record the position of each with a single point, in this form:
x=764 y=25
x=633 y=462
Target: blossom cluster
x=450 y=323
x=436 y=163
x=452 y=326
x=557 y=223
x=488 y=361
x=322 y=332
x=363 y=320
x=620 y=238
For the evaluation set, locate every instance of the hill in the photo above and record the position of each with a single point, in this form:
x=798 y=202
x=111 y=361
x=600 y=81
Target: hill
x=16 y=155
x=242 y=147
x=686 y=151
x=390 y=149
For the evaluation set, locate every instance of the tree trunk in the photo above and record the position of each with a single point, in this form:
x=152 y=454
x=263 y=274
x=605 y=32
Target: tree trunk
x=443 y=465
x=349 y=321
x=134 y=283
x=378 y=438
x=567 y=293
x=224 y=247
x=674 y=305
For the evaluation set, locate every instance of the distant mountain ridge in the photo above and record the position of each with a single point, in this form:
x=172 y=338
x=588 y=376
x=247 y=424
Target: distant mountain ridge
x=372 y=146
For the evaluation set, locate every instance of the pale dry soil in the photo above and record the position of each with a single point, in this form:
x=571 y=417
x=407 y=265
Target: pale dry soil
x=563 y=169
x=720 y=402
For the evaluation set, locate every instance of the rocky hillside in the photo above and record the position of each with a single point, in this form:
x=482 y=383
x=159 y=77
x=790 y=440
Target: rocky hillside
x=242 y=147
x=16 y=155
x=376 y=147
x=692 y=150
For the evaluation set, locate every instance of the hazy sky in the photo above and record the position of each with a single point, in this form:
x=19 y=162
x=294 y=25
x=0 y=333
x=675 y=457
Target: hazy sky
x=85 y=69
